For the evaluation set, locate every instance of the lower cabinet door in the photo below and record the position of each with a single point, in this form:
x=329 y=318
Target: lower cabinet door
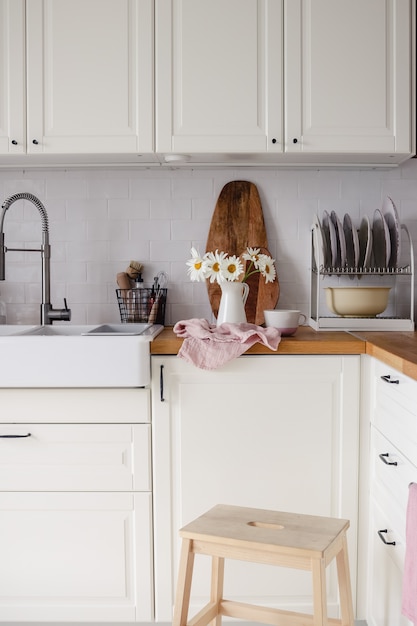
x=75 y=557
x=387 y=565
x=266 y=432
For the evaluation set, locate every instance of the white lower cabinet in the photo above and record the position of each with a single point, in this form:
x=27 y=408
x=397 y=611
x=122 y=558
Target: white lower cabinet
x=75 y=506
x=75 y=556
x=264 y=431
x=393 y=466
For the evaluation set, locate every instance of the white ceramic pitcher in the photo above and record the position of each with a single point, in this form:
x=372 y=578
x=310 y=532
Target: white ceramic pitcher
x=232 y=303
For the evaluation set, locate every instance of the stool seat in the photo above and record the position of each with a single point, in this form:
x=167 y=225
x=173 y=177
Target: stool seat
x=292 y=540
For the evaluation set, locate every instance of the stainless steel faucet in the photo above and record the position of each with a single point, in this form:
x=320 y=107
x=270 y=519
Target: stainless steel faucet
x=48 y=313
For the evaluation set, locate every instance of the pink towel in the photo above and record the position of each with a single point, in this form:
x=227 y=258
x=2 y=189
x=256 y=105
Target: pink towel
x=409 y=599
x=208 y=346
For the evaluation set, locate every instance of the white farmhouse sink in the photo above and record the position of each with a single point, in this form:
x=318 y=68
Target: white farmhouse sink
x=110 y=355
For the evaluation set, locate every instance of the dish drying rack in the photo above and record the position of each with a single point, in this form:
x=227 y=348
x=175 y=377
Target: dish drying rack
x=403 y=275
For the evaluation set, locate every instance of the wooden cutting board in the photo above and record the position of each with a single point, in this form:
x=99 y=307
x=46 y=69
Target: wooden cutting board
x=238 y=223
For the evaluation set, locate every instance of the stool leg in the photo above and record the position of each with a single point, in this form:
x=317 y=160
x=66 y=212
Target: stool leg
x=319 y=593
x=345 y=590
x=217 y=579
x=185 y=574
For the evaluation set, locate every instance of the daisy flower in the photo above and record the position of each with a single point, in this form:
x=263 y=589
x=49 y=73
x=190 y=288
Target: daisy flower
x=267 y=268
x=214 y=264
x=196 y=266
x=232 y=268
x=219 y=266
x=252 y=255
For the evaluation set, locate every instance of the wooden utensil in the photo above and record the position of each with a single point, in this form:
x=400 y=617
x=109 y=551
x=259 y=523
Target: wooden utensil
x=238 y=223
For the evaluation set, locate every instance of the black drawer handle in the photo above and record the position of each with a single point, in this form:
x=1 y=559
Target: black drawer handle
x=14 y=436
x=161 y=383
x=384 y=457
x=393 y=381
x=381 y=534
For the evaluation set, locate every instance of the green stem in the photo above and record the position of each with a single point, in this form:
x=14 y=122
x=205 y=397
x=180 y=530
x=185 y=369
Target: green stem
x=249 y=273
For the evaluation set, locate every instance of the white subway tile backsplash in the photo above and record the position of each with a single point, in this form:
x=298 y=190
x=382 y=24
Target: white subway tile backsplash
x=190 y=229
x=175 y=208
x=107 y=230
x=79 y=210
x=122 y=252
x=150 y=188
x=194 y=187
x=65 y=188
x=129 y=209
x=108 y=188
x=101 y=219
x=149 y=230
x=88 y=251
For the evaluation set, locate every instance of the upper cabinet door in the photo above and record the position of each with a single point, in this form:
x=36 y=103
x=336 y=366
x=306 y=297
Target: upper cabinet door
x=12 y=77
x=218 y=75
x=348 y=76
x=90 y=76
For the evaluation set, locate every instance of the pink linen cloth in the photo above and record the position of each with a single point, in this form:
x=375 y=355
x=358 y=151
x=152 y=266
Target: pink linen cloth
x=409 y=595
x=208 y=346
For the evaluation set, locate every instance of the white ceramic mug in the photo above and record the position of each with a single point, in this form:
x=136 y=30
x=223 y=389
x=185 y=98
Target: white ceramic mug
x=286 y=321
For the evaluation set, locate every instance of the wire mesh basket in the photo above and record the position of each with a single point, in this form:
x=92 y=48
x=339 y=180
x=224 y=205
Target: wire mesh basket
x=142 y=305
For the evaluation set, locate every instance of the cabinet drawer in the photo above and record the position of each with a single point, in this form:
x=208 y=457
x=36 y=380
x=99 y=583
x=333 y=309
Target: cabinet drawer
x=75 y=405
x=387 y=516
x=78 y=557
x=386 y=579
x=390 y=469
x=394 y=409
x=404 y=391
x=75 y=457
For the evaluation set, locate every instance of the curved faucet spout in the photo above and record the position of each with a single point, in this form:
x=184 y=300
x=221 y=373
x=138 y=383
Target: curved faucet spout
x=48 y=314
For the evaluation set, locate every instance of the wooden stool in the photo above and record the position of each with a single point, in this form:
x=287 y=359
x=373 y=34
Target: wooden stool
x=286 y=539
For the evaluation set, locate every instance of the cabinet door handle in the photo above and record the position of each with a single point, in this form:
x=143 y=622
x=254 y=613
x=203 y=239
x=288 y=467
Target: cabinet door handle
x=14 y=436
x=384 y=458
x=161 y=383
x=393 y=381
x=381 y=534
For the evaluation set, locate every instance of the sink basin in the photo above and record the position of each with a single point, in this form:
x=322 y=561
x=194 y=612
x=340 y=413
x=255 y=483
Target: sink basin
x=108 y=355
x=127 y=330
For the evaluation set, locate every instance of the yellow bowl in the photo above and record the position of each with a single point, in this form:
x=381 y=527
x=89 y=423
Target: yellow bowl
x=357 y=301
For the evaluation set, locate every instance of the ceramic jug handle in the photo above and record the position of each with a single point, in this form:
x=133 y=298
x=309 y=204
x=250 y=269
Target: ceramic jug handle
x=245 y=292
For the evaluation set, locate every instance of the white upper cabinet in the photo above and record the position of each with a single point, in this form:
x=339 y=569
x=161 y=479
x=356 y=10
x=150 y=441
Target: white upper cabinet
x=218 y=76
x=347 y=77
x=210 y=81
x=12 y=77
x=292 y=81
x=89 y=72
x=89 y=76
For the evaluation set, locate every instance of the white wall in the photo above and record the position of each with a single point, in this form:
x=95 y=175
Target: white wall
x=101 y=219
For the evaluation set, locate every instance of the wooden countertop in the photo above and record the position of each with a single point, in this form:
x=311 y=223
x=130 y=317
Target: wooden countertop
x=396 y=349
x=306 y=341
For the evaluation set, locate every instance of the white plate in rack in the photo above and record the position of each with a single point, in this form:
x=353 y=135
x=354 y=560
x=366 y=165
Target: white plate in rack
x=365 y=243
x=320 y=253
x=340 y=240
x=352 y=242
x=390 y=214
x=381 y=241
x=330 y=238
